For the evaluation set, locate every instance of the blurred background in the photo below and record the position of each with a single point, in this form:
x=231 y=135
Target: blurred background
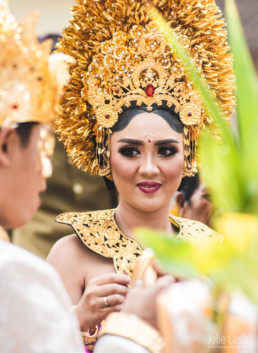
x=54 y=14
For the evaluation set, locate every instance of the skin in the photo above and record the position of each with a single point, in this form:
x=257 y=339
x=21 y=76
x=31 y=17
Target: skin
x=199 y=208
x=21 y=180
x=89 y=277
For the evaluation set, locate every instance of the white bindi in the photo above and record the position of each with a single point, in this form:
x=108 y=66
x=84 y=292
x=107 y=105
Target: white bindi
x=149 y=136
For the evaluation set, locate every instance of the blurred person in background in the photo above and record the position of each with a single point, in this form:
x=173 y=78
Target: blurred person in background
x=193 y=201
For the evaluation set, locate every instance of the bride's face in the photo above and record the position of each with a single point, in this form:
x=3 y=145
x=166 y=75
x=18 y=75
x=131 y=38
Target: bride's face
x=147 y=159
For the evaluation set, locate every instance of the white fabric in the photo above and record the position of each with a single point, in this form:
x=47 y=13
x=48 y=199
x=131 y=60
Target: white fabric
x=116 y=344
x=35 y=311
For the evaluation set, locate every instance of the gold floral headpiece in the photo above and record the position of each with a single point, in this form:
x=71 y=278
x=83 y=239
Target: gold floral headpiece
x=122 y=59
x=30 y=80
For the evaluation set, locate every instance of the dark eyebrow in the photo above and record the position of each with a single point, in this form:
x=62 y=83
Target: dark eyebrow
x=131 y=141
x=141 y=143
x=165 y=142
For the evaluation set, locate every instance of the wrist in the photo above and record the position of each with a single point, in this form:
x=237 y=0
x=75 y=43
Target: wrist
x=85 y=326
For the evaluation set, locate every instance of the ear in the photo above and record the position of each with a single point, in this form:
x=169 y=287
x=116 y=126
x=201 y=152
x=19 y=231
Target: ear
x=5 y=139
x=180 y=200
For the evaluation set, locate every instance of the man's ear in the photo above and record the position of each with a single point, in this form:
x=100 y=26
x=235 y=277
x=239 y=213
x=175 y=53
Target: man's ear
x=5 y=138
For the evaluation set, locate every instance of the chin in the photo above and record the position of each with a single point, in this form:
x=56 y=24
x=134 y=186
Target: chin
x=148 y=207
x=21 y=221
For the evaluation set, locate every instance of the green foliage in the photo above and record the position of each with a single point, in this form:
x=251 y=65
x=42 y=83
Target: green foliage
x=230 y=170
x=247 y=111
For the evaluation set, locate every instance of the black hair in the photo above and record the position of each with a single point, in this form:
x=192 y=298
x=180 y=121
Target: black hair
x=24 y=131
x=53 y=36
x=167 y=114
x=188 y=186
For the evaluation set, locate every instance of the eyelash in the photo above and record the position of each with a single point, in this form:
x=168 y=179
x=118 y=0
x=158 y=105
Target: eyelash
x=129 y=151
x=167 y=151
x=132 y=152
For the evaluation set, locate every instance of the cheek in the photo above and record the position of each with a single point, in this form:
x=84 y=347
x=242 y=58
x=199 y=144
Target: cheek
x=174 y=169
x=122 y=168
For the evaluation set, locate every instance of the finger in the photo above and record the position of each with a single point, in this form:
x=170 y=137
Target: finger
x=156 y=266
x=109 y=289
x=111 y=278
x=164 y=282
x=111 y=301
x=138 y=283
x=117 y=307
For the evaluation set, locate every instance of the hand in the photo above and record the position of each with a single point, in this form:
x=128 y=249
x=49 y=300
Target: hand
x=141 y=301
x=102 y=295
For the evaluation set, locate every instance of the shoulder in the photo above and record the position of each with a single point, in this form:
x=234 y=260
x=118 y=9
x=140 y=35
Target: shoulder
x=192 y=230
x=25 y=274
x=85 y=218
x=12 y=257
x=92 y=228
x=66 y=252
x=34 y=304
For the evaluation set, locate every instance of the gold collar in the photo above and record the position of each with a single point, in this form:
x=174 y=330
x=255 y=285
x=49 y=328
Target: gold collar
x=100 y=233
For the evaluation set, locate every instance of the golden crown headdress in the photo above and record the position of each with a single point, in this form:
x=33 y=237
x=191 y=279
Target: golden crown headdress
x=121 y=58
x=30 y=81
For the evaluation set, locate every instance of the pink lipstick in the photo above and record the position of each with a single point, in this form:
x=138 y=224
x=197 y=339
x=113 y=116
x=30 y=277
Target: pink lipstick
x=149 y=187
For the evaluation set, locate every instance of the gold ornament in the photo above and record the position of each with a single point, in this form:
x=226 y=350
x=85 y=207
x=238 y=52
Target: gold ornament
x=121 y=58
x=99 y=231
x=133 y=328
x=30 y=81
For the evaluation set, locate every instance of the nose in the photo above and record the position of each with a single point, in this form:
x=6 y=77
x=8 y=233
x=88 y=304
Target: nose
x=148 y=166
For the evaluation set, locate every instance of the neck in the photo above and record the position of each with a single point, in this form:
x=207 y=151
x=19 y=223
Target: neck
x=128 y=218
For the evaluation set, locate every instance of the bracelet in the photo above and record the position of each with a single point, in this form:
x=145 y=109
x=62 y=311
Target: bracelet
x=90 y=336
x=133 y=328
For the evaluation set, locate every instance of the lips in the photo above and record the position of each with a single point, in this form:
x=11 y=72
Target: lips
x=149 y=187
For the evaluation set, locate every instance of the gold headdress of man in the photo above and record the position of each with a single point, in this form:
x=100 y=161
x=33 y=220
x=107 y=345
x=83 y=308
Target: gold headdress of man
x=30 y=80
x=123 y=60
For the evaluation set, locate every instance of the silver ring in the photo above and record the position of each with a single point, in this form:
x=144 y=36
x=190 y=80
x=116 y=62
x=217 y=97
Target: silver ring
x=106 y=301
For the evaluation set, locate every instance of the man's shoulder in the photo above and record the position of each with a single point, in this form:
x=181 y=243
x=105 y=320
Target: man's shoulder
x=14 y=259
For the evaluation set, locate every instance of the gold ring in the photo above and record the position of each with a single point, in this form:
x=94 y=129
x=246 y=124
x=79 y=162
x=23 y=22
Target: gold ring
x=106 y=301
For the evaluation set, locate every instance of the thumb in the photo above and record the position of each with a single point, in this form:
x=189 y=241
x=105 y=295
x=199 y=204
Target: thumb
x=164 y=282
x=138 y=284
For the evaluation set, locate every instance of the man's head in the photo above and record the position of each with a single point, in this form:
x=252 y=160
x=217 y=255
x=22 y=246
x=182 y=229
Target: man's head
x=31 y=83
x=21 y=172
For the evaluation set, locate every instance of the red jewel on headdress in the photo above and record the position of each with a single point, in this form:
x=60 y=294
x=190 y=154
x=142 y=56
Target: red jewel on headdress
x=149 y=90
x=179 y=90
x=107 y=116
x=15 y=106
x=190 y=114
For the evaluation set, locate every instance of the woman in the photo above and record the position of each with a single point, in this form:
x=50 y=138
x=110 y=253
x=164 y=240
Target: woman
x=131 y=115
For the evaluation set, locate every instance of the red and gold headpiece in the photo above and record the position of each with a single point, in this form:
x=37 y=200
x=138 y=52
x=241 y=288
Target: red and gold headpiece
x=122 y=59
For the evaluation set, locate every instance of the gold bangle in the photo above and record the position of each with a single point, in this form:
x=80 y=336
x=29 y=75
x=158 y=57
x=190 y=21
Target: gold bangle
x=90 y=336
x=133 y=328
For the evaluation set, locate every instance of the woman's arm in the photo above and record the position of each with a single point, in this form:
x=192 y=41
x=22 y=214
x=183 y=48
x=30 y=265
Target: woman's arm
x=94 y=289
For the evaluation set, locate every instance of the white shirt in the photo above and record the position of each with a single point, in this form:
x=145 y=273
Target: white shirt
x=35 y=311
x=116 y=344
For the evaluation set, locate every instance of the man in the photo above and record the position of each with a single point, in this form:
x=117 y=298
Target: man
x=35 y=313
